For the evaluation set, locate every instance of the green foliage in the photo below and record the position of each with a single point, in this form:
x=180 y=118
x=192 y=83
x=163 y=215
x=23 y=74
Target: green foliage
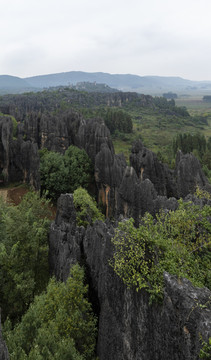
x=23 y=253
x=58 y=325
x=177 y=242
x=64 y=173
x=86 y=207
x=187 y=143
x=79 y=166
x=202 y=194
x=169 y=106
x=15 y=125
x=205 y=352
x=118 y=120
x=54 y=174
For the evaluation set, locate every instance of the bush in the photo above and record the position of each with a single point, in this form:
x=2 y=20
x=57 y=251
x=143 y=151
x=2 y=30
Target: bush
x=177 y=242
x=86 y=208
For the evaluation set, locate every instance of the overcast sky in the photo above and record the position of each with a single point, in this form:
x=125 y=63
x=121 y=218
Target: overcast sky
x=143 y=37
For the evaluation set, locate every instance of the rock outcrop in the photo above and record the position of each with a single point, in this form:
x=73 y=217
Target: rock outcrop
x=19 y=159
x=189 y=175
x=147 y=166
x=182 y=181
x=129 y=328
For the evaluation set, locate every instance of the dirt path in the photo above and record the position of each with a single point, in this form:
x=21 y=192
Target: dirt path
x=13 y=195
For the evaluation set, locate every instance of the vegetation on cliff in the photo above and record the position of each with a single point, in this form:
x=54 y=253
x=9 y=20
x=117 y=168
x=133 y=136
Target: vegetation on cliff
x=86 y=208
x=177 y=242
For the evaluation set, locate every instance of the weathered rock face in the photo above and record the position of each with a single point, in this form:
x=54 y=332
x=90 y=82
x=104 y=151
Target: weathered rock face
x=147 y=166
x=179 y=183
x=5 y=141
x=120 y=189
x=19 y=159
x=189 y=174
x=129 y=328
x=4 y=355
x=92 y=135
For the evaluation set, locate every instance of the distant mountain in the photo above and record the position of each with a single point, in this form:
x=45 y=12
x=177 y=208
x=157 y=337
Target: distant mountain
x=125 y=82
x=153 y=85
x=121 y=82
x=13 y=84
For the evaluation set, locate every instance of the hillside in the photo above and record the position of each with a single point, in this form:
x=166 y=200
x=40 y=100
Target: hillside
x=153 y=85
x=13 y=84
x=124 y=82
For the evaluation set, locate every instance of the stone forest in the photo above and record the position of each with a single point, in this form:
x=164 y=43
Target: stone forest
x=129 y=274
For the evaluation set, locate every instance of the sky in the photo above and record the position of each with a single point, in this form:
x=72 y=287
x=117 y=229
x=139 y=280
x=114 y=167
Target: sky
x=142 y=37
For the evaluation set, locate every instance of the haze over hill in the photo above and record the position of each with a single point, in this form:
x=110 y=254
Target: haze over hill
x=154 y=85
x=13 y=84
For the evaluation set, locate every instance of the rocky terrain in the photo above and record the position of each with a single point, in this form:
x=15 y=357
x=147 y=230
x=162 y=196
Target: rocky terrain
x=145 y=185
x=129 y=328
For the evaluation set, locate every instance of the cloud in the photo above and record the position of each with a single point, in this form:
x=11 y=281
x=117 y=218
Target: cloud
x=142 y=37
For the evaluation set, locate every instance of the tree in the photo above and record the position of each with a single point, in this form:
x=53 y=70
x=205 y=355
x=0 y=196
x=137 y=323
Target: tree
x=54 y=174
x=64 y=173
x=58 y=325
x=118 y=120
x=80 y=169
x=188 y=143
x=23 y=253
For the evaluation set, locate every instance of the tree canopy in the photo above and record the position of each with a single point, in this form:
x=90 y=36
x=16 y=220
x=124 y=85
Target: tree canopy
x=23 y=253
x=64 y=173
x=58 y=325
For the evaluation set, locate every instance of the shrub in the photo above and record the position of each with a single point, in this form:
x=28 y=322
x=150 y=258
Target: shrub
x=177 y=242
x=86 y=207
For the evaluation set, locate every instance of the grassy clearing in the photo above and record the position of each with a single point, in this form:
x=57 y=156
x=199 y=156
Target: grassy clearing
x=157 y=129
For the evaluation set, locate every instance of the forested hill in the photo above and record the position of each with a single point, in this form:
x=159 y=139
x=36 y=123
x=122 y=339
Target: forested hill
x=65 y=97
